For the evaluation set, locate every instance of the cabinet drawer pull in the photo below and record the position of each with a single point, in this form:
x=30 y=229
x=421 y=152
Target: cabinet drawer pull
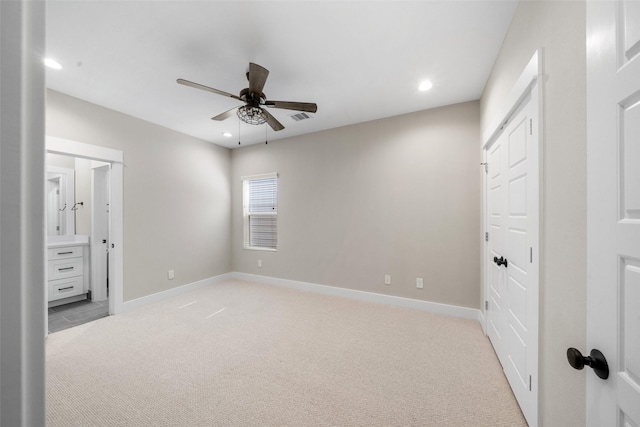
x=65 y=253
x=64 y=289
x=66 y=268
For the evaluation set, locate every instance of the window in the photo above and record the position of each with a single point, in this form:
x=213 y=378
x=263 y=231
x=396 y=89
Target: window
x=260 y=211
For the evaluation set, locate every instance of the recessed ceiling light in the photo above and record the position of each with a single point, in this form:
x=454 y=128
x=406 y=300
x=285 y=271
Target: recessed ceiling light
x=227 y=134
x=425 y=85
x=52 y=64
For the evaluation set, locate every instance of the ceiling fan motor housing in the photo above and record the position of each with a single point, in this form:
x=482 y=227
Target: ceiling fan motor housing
x=251 y=98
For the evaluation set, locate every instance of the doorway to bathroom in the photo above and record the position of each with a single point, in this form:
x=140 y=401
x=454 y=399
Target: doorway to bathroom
x=84 y=233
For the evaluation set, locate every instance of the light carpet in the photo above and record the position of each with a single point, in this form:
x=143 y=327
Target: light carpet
x=247 y=354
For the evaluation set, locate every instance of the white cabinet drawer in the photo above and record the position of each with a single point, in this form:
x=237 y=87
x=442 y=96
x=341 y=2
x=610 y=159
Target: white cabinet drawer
x=64 y=288
x=63 y=268
x=63 y=253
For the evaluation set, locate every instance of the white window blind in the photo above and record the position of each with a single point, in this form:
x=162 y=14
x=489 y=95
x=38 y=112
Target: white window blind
x=261 y=212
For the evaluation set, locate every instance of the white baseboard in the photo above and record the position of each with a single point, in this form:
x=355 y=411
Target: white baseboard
x=483 y=321
x=432 y=307
x=159 y=296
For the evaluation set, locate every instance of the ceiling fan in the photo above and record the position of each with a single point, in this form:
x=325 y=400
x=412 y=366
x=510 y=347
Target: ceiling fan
x=253 y=112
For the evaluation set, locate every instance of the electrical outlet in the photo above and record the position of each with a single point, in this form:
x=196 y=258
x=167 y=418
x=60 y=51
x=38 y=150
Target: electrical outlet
x=170 y=274
x=419 y=283
x=260 y=263
x=387 y=279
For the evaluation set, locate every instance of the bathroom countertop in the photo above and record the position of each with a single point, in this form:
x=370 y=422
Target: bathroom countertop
x=64 y=241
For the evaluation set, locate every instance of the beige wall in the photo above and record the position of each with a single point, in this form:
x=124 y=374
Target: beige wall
x=397 y=196
x=559 y=29
x=176 y=194
x=380 y=196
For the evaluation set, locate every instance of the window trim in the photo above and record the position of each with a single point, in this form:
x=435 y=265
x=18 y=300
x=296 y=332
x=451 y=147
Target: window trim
x=245 y=215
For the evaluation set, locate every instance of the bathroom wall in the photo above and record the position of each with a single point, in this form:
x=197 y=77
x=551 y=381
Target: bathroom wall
x=82 y=168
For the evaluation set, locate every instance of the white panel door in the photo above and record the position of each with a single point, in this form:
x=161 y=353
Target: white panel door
x=613 y=207
x=512 y=265
x=496 y=205
x=521 y=170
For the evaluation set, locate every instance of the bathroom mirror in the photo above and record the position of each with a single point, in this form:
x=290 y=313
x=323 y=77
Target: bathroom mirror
x=60 y=189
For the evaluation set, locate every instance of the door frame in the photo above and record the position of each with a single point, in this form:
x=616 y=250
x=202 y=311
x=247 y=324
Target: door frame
x=100 y=177
x=528 y=83
x=116 y=230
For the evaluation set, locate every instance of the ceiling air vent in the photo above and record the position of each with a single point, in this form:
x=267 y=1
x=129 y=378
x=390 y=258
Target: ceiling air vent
x=300 y=116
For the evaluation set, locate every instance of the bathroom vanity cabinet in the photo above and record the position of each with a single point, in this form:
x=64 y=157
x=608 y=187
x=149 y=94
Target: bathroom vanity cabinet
x=67 y=272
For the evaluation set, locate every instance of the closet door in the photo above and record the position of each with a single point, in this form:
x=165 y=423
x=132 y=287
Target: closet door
x=521 y=273
x=512 y=262
x=496 y=204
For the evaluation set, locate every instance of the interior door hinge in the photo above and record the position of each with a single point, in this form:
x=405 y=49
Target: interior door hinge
x=486 y=306
x=486 y=236
x=530 y=126
x=531 y=254
x=529 y=382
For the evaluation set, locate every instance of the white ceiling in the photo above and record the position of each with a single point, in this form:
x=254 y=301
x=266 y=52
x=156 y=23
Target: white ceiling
x=358 y=60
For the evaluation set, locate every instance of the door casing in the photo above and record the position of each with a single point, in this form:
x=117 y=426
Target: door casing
x=116 y=230
x=100 y=176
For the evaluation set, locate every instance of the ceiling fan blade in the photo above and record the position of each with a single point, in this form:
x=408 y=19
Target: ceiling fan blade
x=225 y=115
x=287 y=105
x=257 y=78
x=207 y=88
x=275 y=124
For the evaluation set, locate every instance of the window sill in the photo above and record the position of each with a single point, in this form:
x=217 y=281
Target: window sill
x=256 y=248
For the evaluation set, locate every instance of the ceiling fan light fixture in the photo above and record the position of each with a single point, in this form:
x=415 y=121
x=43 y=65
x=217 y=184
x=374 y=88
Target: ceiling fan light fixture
x=252 y=115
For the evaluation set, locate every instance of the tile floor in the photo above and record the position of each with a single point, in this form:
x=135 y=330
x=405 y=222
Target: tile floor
x=76 y=313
